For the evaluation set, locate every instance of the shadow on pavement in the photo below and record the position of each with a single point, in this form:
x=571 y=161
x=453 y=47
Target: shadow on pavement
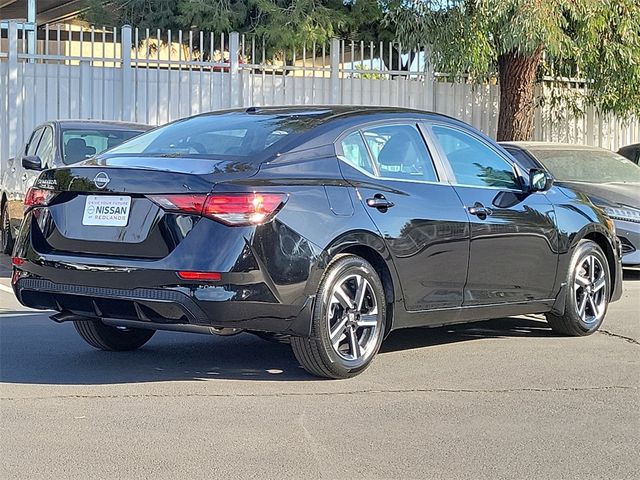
x=499 y=328
x=631 y=274
x=35 y=350
x=5 y=266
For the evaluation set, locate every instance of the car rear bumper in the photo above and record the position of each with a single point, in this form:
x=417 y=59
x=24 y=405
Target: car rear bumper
x=248 y=307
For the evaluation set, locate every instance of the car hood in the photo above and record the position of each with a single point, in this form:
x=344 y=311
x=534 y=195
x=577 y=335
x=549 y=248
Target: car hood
x=608 y=194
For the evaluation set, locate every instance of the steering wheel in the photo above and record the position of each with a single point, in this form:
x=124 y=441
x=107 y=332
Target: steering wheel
x=198 y=147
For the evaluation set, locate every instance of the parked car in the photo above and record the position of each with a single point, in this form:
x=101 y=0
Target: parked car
x=608 y=179
x=329 y=226
x=50 y=145
x=632 y=152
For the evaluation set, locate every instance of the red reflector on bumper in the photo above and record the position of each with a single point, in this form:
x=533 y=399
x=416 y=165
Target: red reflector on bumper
x=17 y=261
x=206 y=276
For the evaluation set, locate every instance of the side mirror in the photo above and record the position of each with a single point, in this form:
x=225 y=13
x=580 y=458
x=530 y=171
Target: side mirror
x=32 y=162
x=539 y=180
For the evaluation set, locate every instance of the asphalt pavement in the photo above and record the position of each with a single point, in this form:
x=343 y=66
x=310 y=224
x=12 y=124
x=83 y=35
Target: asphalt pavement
x=504 y=398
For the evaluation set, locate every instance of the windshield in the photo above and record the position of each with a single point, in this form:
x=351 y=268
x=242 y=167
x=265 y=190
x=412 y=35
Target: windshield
x=591 y=166
x=220 y=135
x=80 y=144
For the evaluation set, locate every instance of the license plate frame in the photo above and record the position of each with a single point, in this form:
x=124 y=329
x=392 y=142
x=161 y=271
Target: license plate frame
x=106 y=210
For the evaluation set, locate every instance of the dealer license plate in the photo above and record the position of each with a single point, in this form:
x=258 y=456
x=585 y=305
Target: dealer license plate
x=107 y=210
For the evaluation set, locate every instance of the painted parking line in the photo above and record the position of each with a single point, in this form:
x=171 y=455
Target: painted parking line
x=4 y=288
x=22 y=314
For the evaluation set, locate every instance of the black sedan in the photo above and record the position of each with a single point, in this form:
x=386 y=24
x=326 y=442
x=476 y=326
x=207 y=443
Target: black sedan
x=327 y=227
x=608 y=179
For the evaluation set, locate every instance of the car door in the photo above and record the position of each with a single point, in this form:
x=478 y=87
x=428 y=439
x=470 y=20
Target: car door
x=511 y=255
x=44 y=151
x=420 y=217
x=17 y=177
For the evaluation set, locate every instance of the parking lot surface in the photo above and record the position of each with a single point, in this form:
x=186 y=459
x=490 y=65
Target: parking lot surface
x=499 y=399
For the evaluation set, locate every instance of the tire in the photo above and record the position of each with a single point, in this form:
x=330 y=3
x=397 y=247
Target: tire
x=105 y=337
x=587 y=294
x=6 y=239
x=357 y=332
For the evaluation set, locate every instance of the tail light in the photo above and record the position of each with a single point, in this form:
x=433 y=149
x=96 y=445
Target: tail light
x=229 y=208
x=37 y=197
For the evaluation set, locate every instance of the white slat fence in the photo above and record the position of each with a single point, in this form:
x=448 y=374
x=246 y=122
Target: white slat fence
x=153 y=76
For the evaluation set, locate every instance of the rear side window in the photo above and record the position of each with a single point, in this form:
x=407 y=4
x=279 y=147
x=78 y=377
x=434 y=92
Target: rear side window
x=222 y=135
x=473 y=162
x=397 y=151
x=400 y=152
x=80 y=144
x=355 y=152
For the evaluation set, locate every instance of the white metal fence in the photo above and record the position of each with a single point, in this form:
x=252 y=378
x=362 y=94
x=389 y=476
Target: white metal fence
x=155 y=77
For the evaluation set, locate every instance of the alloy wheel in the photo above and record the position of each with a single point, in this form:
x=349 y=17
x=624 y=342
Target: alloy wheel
x=353 y=318
x=590 y=290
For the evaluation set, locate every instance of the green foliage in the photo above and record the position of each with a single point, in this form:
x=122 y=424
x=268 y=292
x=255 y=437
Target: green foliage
x=598 y=40
x=282 y=23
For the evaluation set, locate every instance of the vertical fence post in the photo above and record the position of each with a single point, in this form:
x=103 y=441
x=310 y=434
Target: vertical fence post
x=334 y=53
x=429 y=80
x=31 y=32
x=13 y=104
x=235 y=88
x=86 y=99
x=127 y=77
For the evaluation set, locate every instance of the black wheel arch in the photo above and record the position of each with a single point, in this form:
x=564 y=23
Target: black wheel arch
x=600 y=235
x=371 y=247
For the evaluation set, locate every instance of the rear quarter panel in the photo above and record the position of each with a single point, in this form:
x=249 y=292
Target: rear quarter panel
x=322 y=217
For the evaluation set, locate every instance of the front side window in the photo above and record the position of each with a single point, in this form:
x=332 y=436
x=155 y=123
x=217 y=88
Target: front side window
x=473 y=162
x=32 y=146
x=45 y=147
x=399 y=152
x=522 y=158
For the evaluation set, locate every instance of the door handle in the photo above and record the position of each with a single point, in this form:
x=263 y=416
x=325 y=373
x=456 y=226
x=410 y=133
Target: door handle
x=480 y=211
x=378 y=201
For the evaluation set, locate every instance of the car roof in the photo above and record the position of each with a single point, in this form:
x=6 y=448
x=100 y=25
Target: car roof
x=328 y=113
x=112 y=124
x=550 y=146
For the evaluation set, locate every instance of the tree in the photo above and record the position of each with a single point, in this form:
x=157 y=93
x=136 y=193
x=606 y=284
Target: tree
x=596 y=40
x=282 y=23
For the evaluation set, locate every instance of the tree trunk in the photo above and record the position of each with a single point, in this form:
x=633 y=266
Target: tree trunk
x=517 y=77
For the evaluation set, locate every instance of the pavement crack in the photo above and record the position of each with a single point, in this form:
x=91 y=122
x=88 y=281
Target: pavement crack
x=326 y=394
x=621 y=337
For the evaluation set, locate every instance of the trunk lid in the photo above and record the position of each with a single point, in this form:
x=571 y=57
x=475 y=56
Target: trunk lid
x=122 y=185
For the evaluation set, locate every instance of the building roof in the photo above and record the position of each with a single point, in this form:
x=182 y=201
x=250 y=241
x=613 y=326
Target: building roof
x=48 y=11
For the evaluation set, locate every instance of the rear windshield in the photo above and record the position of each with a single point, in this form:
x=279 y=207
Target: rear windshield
x=224 y=135
x=78 y=145
x=591 y=166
